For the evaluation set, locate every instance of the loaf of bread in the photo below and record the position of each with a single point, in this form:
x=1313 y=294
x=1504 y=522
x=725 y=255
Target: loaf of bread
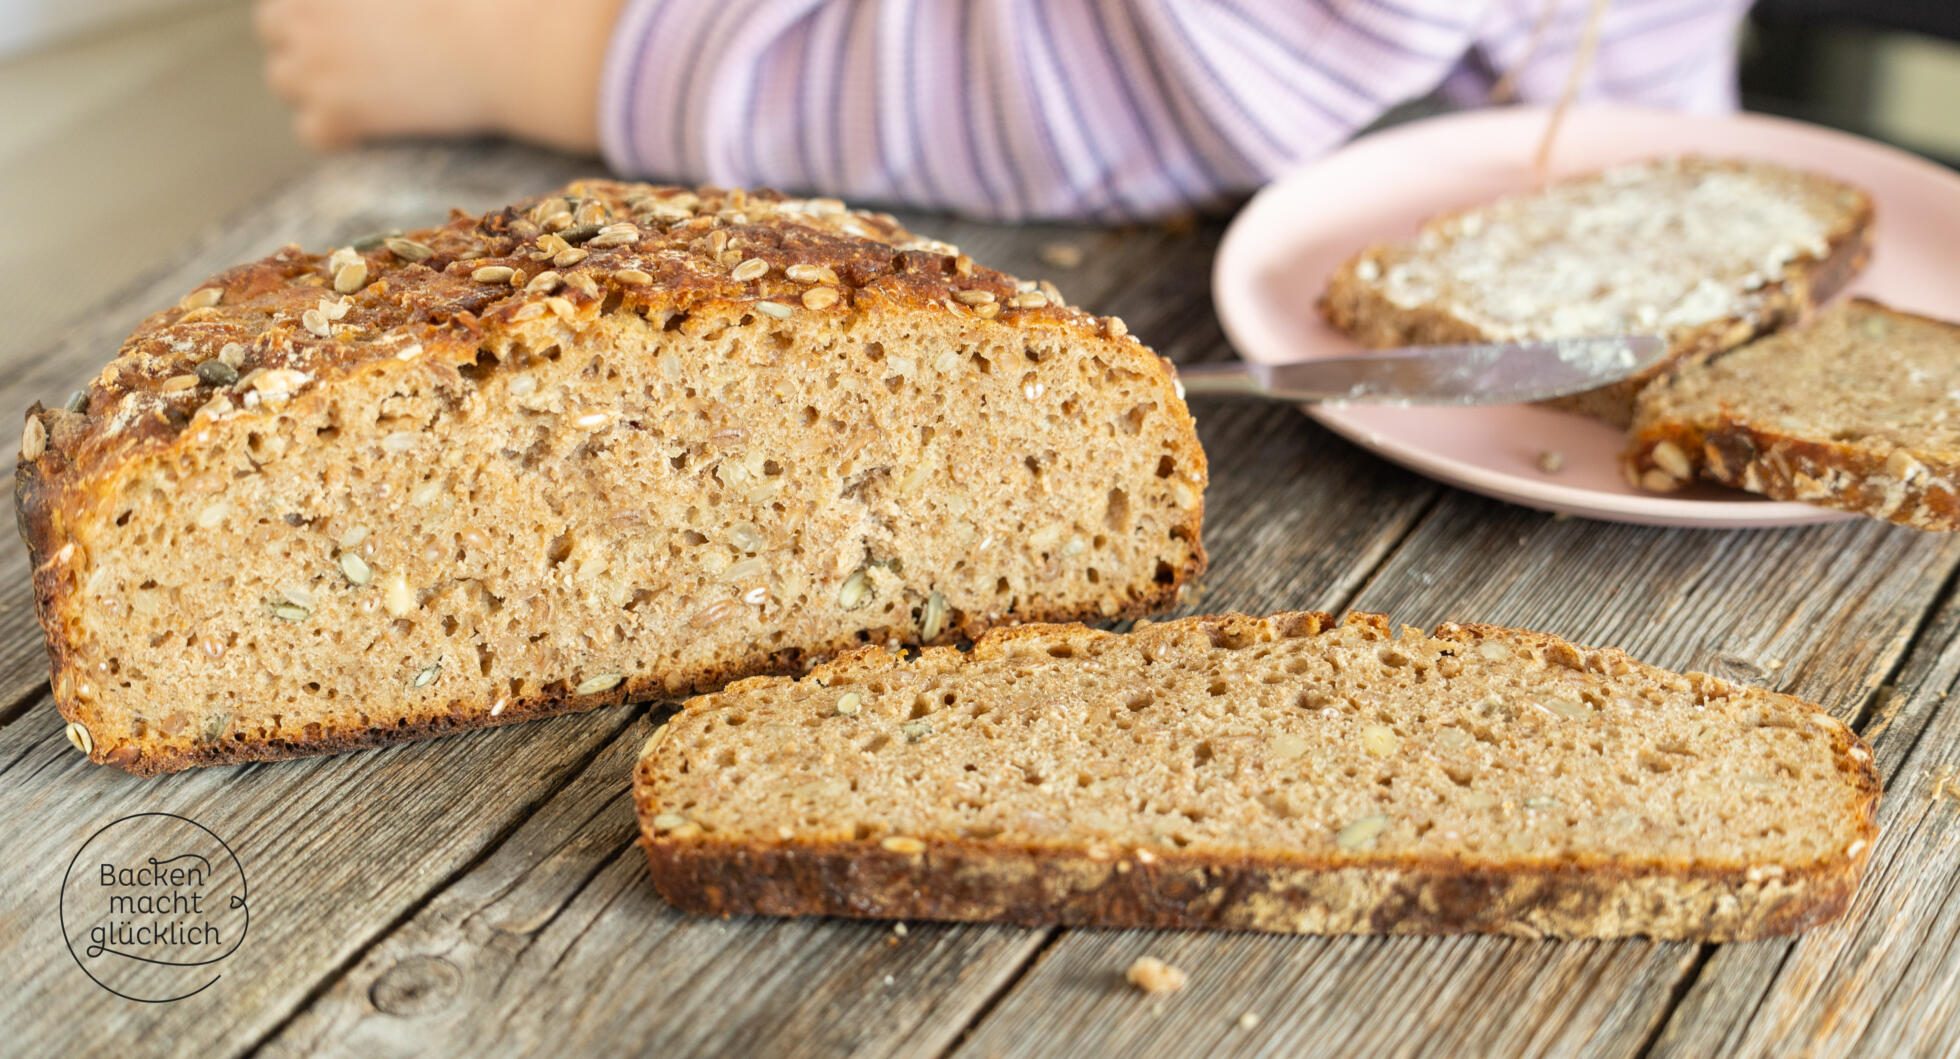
x=622 y=441
x=1708 y=253
x=1284 y=774
x=1858 y=410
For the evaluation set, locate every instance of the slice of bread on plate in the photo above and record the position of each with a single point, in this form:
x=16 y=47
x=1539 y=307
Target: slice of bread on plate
x=621 y=441
x=1706 y=252
x=1287 y=774
x=1857 y=410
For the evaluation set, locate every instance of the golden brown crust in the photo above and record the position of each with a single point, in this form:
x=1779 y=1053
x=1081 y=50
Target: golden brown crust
x=974 y=882
x=280 y=329
x=1751 y=454
x=1747 y=455
x=672 y=259
x=1362 y=309
x=1281 y=891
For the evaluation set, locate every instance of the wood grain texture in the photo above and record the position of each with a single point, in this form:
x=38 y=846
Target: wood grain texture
x=557 y=942
x=1821 y=612
x=1885 y=981
x=334 y=851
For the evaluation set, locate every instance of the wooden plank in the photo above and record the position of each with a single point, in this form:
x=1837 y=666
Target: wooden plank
x=557 y=942
x=1823 y=612
x=1885 y=981
x=334 y=850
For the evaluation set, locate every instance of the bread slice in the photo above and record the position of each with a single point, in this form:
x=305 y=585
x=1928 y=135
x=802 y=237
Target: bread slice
x=619 y=442
x=1706 y=252
x=1282 y=774
x=1859 y=410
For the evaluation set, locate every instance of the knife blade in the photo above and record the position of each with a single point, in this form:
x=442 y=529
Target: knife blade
x=1493 y=373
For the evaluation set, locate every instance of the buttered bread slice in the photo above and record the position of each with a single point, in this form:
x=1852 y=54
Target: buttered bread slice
x=1283 y=774
x=620 y=441
x=1708 y=253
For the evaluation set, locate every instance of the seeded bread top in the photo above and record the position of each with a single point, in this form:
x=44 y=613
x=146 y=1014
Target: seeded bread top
x=254 y=336
x=1658 y=246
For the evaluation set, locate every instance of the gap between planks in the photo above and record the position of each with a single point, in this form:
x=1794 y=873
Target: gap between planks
x=491 y=845
x=1795 y=987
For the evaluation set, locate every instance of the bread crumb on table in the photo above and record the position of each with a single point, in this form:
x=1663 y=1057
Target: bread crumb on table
x=1249 y=1020
x=1153 y=975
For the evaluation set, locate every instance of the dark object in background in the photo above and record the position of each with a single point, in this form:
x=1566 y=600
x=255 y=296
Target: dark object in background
x=1938 y=18
x=1818 y=60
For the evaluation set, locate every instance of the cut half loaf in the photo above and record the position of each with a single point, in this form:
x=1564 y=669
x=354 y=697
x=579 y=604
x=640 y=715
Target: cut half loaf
x=1859 y=410
x=1283 y=774
x=623 y=441
x=1708 y=253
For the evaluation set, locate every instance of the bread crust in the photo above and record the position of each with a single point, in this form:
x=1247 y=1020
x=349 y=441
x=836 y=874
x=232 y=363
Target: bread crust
x=966 y=882
x=958 y=879
x=428 y=297
x=1362 y=309
x=1749 y=454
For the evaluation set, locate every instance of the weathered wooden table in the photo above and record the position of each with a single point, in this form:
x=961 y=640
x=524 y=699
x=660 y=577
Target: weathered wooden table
x=482 y=894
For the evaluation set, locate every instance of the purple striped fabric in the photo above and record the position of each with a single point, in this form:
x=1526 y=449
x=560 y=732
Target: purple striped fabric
x=1103 y=109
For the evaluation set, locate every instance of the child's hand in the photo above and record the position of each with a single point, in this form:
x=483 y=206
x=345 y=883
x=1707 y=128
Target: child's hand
x=356 y=70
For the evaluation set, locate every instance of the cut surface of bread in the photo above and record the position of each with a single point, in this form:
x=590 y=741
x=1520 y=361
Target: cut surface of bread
x=1705 y=252
x=1286 y=774
x=623 y=441
x=1857 y=410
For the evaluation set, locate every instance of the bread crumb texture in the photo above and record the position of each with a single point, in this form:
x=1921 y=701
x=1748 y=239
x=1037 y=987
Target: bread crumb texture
x=1287 y=774
x=1857 y=410
x=617 y=442
x=1706 y=252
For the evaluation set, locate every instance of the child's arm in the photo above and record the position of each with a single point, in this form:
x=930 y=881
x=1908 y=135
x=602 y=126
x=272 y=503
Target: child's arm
x=1003 y=108
x=1096 y=108
x=1012 y=108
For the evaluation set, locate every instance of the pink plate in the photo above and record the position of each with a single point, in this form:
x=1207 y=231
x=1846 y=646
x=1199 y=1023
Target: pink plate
x=1290 y=238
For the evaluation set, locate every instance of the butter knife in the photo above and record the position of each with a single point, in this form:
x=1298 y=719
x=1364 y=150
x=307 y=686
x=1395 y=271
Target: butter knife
x=1496 y=373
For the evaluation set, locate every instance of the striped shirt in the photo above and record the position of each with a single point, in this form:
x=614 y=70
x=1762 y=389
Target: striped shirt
x=1098 y=109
